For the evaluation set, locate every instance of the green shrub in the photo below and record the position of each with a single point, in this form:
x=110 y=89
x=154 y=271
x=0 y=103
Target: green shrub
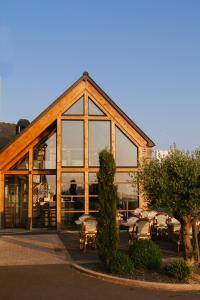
x=121 y=264
x=145 y=254
x=107 y=229
x=179 y=269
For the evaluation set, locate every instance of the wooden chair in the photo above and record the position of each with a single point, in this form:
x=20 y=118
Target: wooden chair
x=88 y=233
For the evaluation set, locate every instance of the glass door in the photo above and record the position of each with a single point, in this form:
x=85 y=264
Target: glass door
x=16 y=201
x=44 y=201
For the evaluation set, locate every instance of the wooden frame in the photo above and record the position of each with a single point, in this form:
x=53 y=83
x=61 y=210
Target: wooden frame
x=26 y=141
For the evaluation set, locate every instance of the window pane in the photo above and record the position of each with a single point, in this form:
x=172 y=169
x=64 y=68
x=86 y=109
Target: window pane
x=44 y=153
x=94 y=110
x=44 y=200
x=126 y=151
x=76 y=108
x=93 y=203
x=16 y=201
x=99 y=139
x=73 y=191
x=72 y=143
x=124 y=177
x=22 y=164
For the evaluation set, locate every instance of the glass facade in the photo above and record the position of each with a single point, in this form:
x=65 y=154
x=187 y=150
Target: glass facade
x=72 y=143
x=99 y=139
x=16 y=201
x=127 y=192
x=76 y=109
x=67 y=159
x=44 y=201
x=44 y=153
x=22 y=164
x=94 y=110
x=126 y=151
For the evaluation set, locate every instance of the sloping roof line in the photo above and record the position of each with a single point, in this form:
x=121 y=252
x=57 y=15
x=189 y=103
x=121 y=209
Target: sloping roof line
x=86 y=77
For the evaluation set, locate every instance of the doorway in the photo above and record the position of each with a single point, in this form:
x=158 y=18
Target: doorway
x=16 y=201
x=44 y=201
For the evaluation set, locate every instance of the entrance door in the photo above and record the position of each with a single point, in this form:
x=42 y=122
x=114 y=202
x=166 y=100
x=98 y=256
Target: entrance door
x=44 y=201
x=16 y=201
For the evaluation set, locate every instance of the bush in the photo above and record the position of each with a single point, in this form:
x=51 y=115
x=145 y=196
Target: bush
x=179 y=269
x=145 y=254
x=107 y=229
x=121 y=264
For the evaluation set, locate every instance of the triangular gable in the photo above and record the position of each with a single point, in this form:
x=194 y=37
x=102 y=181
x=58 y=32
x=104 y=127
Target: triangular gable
x=66 y=100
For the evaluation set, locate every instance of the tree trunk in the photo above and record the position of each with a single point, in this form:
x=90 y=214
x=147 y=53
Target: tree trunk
x=196 y=241
x=187 y=245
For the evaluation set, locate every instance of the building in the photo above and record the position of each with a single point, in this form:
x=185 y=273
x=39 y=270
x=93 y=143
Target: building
x=48 y=172
x=159 y=154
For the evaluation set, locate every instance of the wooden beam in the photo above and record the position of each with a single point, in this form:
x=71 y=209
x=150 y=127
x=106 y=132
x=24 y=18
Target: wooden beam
x=30 y=190
x=17 y=172
x=59 y=175
x=2 y=192
x=113 y=138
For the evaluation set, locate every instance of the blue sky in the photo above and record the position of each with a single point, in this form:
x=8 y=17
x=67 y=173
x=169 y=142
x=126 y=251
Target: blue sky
x=145 y=54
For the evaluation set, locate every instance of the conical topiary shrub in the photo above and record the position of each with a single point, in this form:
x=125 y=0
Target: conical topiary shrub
x=108 y=232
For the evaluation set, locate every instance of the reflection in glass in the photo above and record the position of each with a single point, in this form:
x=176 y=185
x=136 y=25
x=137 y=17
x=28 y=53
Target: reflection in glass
x=76 y=109
x=44 y=201
x=22 y=164
x=126 y=151
x=72 y=143
x=16 y=201
x=72 y=193
x=94 y=110
x=99 y=139
x=93 y=191
x=44 y=153
x=127 y=192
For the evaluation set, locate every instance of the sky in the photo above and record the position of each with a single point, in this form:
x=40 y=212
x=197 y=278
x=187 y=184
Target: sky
x=145 y=54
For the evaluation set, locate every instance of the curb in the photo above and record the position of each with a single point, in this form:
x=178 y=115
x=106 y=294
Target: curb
x=137 y=283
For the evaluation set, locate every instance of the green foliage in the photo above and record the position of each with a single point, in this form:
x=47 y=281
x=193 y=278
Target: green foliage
x=173 y=183
x=145 y=254
x=179 y=269
x=121 y=264
x=107 y=230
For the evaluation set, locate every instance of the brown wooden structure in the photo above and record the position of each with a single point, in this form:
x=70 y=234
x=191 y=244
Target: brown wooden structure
x=48 y=173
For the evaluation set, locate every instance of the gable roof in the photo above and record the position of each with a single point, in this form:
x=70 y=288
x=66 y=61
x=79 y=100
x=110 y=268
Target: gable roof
x=85 y=77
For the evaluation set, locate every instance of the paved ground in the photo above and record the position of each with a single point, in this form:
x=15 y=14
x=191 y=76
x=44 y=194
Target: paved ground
x=32 y=250
x=59 y=282
x=36 y=267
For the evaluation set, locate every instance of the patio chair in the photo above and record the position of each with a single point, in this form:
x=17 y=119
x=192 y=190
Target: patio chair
x=143 y=229
x=88 y=233
x=160 y=224
x=131 y=223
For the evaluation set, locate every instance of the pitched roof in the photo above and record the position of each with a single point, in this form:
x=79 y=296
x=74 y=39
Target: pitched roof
x=7 y=133
x=46 y=116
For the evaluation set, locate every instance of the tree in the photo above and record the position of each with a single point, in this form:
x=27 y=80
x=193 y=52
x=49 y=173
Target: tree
x=173 y=183
x=107 y=230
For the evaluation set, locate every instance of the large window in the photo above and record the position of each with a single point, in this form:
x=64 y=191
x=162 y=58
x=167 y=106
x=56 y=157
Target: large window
x=16 y=200
x=44 y=200
x=126 y=151
x=99 y=139
x=72 y=143
x=127 y=192
x=93 y=192
x=44 y=153
x=72 y=198
x=22 y=164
